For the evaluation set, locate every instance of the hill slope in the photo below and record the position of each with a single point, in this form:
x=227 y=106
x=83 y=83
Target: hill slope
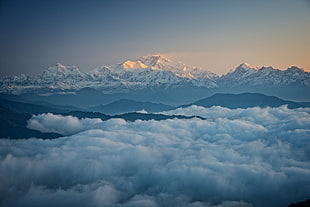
x=13 y=126
x=127 y=105
x=245 y=100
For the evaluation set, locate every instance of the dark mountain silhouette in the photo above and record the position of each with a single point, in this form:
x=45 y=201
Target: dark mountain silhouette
x=127 y=105
x=133 y=116
x=305 y=203
x=245 y=100
x=21 y=107
x=13 y=126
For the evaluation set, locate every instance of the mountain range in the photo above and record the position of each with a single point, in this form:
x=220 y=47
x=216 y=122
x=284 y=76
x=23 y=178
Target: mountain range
x=127 y=105
x=152 y=78
x=146 y=72
x=246 y=100
x=14 y=114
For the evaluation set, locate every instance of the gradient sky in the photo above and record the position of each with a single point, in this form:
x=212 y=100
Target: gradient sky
x=217 y=35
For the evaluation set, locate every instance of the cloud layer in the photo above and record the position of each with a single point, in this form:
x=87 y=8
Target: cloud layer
x=240 y=157
x=65 y=125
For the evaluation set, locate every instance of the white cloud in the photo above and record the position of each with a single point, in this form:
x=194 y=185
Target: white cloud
x=242 y=157
x=65 y=125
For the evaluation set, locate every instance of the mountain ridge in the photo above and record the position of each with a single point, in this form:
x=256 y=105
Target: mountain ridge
x=245 y=100
x=157 y=73
x=115 y=77
x=128 y=105
x=14 y=114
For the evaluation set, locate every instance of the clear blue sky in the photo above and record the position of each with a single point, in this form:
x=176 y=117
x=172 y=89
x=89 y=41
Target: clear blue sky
x=217 y=35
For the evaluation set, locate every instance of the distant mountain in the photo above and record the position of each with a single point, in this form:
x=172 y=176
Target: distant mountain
x=159 y=62
x=127 y=105
x=246 y=75
x=153 y=78
x=305 y=203
x=149 y=71
x=142 y=116
x=245 y=100
x=242 y=72
x=13 y=121
x=133 y=116
x=292 y=83
x=21 y=107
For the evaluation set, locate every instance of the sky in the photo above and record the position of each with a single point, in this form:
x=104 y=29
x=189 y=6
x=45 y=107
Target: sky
x=215 y=35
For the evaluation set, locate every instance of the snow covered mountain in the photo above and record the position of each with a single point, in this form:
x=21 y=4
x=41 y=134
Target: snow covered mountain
x=246 y=75
x=59 y=77
x=240 y=73
x=151 y=73
x=159 y=62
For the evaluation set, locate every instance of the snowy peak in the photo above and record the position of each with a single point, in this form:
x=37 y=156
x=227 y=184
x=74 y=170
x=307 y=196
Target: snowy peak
x=153 y=71
x=246 y=67
x=267 y=68
x=64 y=69
x=154 y=61
x=60 y=66
x=246 y=75
x=295 y=69
x=99 y=72
x=61 y=70
x=133 y=65
x=159 y=62
x=242 y=71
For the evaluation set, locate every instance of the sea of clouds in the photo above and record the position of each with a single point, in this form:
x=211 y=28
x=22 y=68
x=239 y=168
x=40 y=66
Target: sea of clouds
x=234 y=158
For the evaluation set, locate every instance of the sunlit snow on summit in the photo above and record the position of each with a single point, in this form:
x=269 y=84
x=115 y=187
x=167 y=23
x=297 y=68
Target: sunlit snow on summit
x=248 y=65
x=134 y=65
